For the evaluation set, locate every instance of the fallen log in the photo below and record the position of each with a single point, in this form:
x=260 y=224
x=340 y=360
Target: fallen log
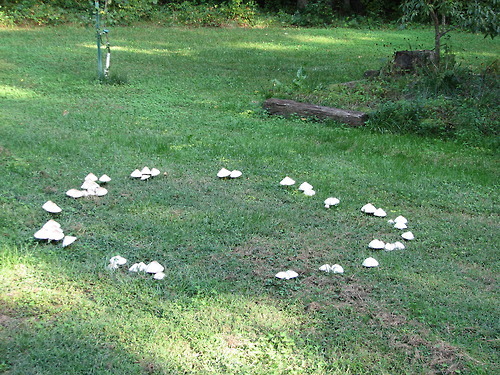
x=286 y=108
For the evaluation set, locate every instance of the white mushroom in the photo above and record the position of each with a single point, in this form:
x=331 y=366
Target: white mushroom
x=235 y=174
x=100 y=191
x=154 y=267
x=287 y=181
x=104 y=178
x=337 y=268
x=146 y=170
x=74 y=193
x=68 y=240
x=309 y=192
x=159 y=276
x=305 y=186
x=331 y=202
x=287 y=275
x=51 y=207
x=325 y=267
x=370 y=262
x=408 y=236
x=145 y=177
x=136 y=174
x=400 y=225
x=91 y=177
x=118 y=260
x=379 y=212
x=368 y=208
x=389 y=247
x=137 y=267
x=399 y=245
x=89 y=185
x=51 y=231
x=223 y=173
x=376 y=244
x=155 y=172
x=401 y=219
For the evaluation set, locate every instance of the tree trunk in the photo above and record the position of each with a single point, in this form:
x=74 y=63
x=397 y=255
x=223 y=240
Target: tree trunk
x=286 y=108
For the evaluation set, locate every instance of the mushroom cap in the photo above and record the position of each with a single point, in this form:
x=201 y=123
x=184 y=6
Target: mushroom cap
x=368 y=208
x=287 y=181
x=331 y=202
x=51 y=231
x=379 y=212
x=100 y=191
x=68 y=240
x=118 y=260
x=408 y=236
x=104 y=178
x=223 y=173
x=89 y=185
x=376 y=244
x=401 y=219
x=154 y=267
x=91 y=177
x=370 y=262
x=399 y=245
x=146 y=170
x=51 y=207
x=337 y=268
x=159 y=276
x=235 y=174
x=74 y=193
x=325 y=267
x=155 y=172
x=400 y=225
x=309 y=192
x=136 y=174
x=389 y=247
x=145 y=177
x=138 y=267
x=305 y=186
x=290 y=274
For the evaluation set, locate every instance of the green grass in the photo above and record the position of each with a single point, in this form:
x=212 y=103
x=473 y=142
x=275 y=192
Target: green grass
x=191 y=105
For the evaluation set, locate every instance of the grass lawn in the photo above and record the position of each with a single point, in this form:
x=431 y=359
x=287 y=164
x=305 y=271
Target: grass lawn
x=190 y=106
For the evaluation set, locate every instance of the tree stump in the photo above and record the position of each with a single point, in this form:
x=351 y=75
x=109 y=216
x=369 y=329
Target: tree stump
x=408 y=61
x=286 y=108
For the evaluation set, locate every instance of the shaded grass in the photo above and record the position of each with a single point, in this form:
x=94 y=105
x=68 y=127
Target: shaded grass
x=192 y=106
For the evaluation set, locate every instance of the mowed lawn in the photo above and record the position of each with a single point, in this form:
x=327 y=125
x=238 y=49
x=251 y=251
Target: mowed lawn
x=189 y=104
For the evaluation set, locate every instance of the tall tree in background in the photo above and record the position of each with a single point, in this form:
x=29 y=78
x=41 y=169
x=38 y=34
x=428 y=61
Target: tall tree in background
x=446 y=15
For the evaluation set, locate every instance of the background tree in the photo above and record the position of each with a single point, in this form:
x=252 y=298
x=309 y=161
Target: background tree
x=446 y=15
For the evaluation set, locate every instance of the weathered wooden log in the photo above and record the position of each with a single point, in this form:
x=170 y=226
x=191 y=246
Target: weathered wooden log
x=287 y=108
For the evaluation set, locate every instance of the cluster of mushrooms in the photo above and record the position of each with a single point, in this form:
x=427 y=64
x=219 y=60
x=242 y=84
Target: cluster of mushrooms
x=399 y=223
x=154 y=268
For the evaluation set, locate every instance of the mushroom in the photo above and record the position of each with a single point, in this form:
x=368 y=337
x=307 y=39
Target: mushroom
x=379 y=212
x=370 y=262
x=74 y=193
x=155 y=172
x=51 y=207
x=325 y=267
x=389 y=247
x=287 y=275
x=309 y=192
x=145 y=177
x=287 y=181
x=137 y=267
x=136 y=174
x=68 y=240
x=399 y=245
x=89 y=185
x=408 y=236
x=159 y=276
x=223 y=173
x=100 y=191
x=146 y=170
x=305 y=186
x=368 y=208
x=337 y=268
x=118 y=260
x=235 y=174
x=376 y=244
x=401 y=219
x=331 y=202
x=400 y=225
x=104 y=178
x=154 y=267
x=91 y=177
